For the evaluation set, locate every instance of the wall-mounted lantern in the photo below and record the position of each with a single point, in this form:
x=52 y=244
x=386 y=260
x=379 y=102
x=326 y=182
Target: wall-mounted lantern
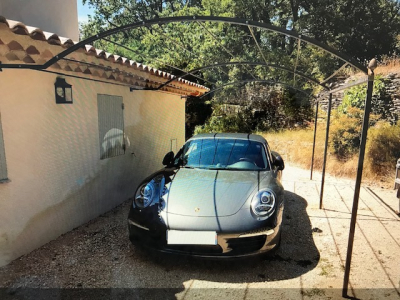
x=63 y=91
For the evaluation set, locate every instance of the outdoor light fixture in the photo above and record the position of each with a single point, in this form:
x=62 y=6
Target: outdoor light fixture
x=63 y=91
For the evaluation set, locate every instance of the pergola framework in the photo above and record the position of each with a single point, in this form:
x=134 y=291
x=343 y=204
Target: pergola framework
x=269 y=82
x=245 y=63
x=195 y=73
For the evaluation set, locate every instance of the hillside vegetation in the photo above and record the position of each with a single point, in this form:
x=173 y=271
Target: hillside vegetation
x=382 y=149
x=295 y=146
x=284 y=124
x=363 y=29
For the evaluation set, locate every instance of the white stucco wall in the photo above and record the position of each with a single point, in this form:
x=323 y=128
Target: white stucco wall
x=56 y=16
x=57 y=180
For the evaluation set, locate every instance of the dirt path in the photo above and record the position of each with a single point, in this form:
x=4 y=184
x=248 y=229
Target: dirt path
x=96 y=257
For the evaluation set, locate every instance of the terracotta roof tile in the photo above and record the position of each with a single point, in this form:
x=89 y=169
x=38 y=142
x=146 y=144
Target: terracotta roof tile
x=27 y=59
x=68 y=68
x=12 y=56
x=66 y=42
x=38 y=35
x=47 y=54
x=32 y=50
x=100 y=53
x=13 y=46
x=57 y=66
x=32 y=54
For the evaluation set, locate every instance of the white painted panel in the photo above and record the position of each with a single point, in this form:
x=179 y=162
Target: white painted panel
x=178 y=237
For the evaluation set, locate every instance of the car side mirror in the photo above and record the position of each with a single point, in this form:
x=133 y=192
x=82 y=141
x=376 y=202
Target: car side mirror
x=168 y=158
x=279 y=162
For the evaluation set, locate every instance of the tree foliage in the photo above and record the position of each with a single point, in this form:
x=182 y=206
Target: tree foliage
x=220 y=121
x=197 y=112
x=361 y=28
x=263 y=109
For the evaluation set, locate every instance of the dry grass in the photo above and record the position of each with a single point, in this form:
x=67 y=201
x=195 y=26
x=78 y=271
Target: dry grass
x=388 y=65
x=295 y=146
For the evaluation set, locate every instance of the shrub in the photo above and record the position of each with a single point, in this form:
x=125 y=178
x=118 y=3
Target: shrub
x=381 y=100
x=346 y=132
x=383 y=147
x=277 y=109
x=222 y=122
x=262 y=109
x=345 y=136
x=197 y=112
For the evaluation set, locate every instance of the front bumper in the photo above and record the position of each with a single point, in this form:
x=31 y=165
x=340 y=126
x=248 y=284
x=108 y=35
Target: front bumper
x=230 y=245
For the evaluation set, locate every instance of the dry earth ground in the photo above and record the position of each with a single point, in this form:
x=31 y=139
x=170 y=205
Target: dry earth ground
x=97 y=261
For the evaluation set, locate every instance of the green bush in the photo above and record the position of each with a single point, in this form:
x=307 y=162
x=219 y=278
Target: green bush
x=221 y=122
x=383 y=147
x=346 y=132
x=381 y=100
x=262 y=109
x=345 y=136
x=197 y=112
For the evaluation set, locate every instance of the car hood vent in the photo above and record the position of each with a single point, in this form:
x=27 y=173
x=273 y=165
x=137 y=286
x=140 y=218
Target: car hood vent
x=210 y=193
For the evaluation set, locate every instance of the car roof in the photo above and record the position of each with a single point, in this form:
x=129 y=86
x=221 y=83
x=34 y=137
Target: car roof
x=239 y=136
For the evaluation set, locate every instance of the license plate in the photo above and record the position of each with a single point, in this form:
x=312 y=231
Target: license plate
x=179 y=237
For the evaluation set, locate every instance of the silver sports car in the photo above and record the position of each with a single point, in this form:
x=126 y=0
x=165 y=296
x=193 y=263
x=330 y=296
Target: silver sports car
x=219 y=196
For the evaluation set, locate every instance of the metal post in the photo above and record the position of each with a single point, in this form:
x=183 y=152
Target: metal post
x=397 y=175
x=325 y=151
x=358 y=182
x=315 y=134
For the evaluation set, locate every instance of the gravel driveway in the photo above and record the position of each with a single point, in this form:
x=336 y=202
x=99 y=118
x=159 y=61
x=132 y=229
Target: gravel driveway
x=97 y=260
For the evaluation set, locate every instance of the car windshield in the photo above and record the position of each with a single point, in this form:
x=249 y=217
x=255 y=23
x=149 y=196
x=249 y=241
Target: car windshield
x=232 y=154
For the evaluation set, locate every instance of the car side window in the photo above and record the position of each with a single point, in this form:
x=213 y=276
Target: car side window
x=269 y=155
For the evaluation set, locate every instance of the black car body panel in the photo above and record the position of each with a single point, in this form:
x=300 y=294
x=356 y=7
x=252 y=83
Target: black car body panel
x=225 y=199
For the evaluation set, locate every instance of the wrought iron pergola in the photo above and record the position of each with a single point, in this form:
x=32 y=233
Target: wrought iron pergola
x=262 y=62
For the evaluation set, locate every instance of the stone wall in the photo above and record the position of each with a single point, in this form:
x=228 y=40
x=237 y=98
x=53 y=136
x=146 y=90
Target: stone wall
x=392 y=88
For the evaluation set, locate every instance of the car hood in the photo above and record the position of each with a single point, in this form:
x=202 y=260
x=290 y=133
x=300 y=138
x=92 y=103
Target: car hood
x=210 y=193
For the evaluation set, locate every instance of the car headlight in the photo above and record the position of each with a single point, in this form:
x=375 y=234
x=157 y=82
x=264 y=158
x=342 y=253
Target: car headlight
x=145 y=195
x=163 y=198
x=150 y=193
x=263 y=204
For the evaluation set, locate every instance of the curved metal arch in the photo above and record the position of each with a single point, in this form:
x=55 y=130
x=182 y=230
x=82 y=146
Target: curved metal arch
x=260 y=81
x=167 y=20
x=248 y=63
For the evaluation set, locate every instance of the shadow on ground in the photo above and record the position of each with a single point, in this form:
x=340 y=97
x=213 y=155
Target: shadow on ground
x=297 y=255
x=97 y=260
